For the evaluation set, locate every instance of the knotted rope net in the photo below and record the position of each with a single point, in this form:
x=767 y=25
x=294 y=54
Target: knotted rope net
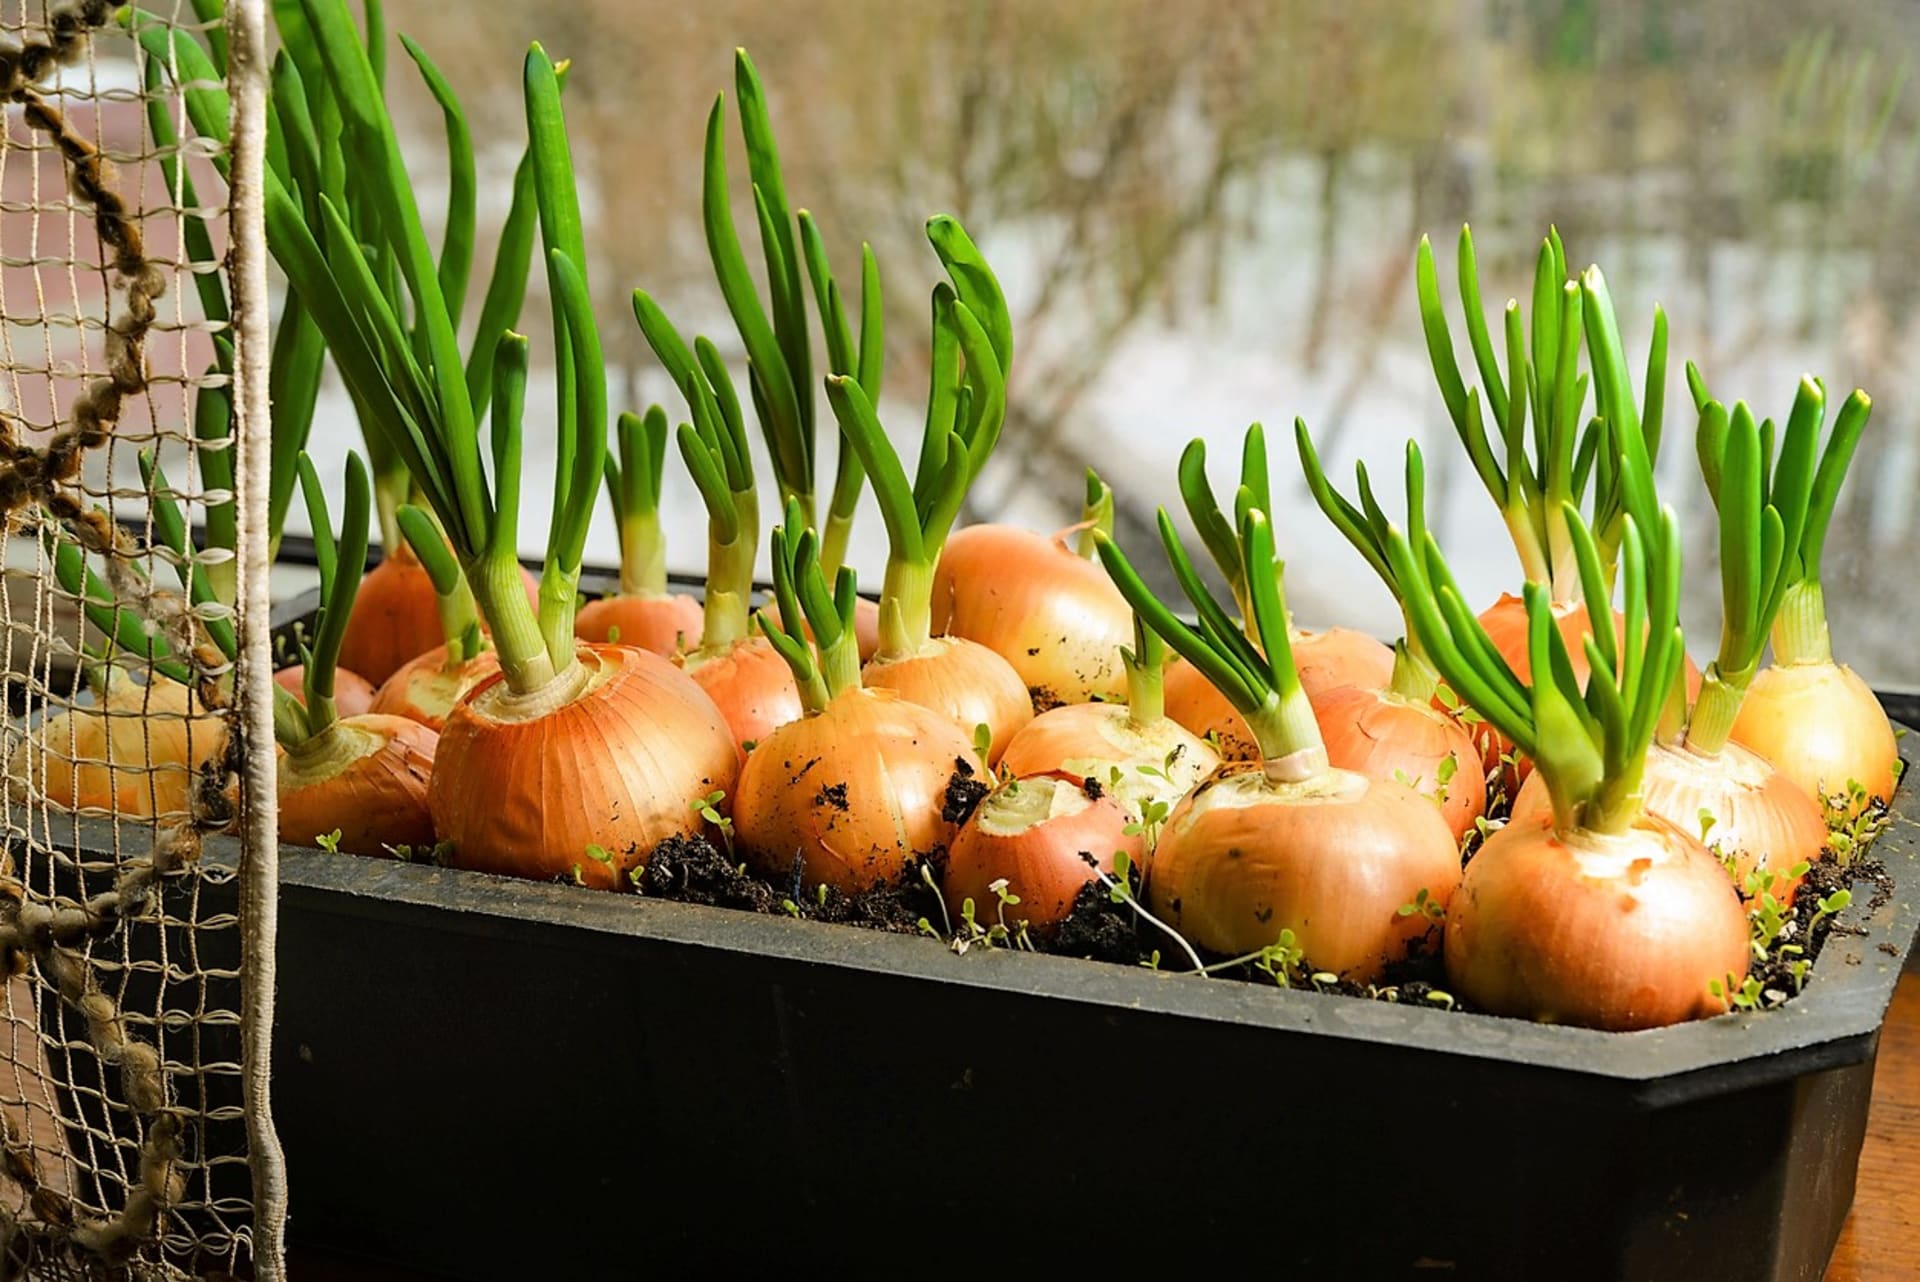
x=136 y=878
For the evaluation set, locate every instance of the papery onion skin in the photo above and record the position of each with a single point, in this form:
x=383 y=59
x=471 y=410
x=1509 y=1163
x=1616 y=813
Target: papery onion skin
x=1761 y=819
x=616 y=767
x=1615 y=933
x=751 y=685
x=1051 y=613
x=353 y=694
x=424 y=690
x=855 y=792
x=1384 y=736
x=1332 y=859
x=1338 y=657
x=1037 y=834
x=373 y=793
x=665 y=624
x=963 y=681
x=1822 y=727
x=155 y=735
x=1092 y=740
x=1325 y=660
x=396 y=616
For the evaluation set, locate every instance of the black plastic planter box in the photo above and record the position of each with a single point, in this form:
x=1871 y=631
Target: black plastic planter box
x=495 y=1079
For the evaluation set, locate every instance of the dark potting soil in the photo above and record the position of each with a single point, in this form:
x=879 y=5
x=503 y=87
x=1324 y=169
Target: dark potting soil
x=690 y=870
x=964 y=792
x=1102 y=929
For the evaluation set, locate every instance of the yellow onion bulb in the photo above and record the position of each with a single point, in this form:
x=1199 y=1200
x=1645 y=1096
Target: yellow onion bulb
x=1332 y=859
x=396 y=616
x=1747 y=813
x=666 y=624
x=1384 y=736
x=962 y=680
x=352 y=693
x=1051 y=613
x=1158 y=760
x=426 y=690
x=1044 y=837
x=751 y=685
x=610 y=756
x=365 y=777
x=1822 y=727
x=132 y=755
x=855 y=792
x=1613 y=932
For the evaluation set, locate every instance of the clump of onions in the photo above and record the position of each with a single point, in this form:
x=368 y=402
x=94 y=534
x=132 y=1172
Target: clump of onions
x=1040 y=840
x=1133 y=750
x=1323 y=661
x=862 y=785
x=1598 y=913
x=1815 y=720
x=972 y=343
x=353 y=694
x=427 y=687
x=132 y=754
x=577 y=761
x=364 y=776
x=1047 y=609
x=1400 y=732
x=643 y=612
x=1291 y=843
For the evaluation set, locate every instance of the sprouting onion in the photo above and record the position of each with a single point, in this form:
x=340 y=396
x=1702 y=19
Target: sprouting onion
x=1815 y=720
x=1325 y=660
x=966 y=406
x=364 y=776
x=1399 y=732
x=637 y=736
x=857 y=788
x=744 y=676
x=643 y=612
x=1596 y=912
x=322 y=178
x=1044 y=607
x=1756 y=817
x=427 y=688
x=1289 y=842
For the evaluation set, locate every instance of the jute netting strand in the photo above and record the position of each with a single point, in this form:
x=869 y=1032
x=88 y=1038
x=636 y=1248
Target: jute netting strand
x=135 y=1139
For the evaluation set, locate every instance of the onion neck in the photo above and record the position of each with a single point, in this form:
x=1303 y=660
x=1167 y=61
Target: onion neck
x=839 y=666
x=526 y=661
x=1613 y=806
x=327 y=751
x=390 y=490
x=559 y=601
x=1800 y=630
x=1146 y=690
x=1291 y=749
x=1414 y=678
x=1714 y=712
x=906 y=609
x=1096 y=518
x=643 y=555
x=290 y=725
x=459 y=621
x=724 y=618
